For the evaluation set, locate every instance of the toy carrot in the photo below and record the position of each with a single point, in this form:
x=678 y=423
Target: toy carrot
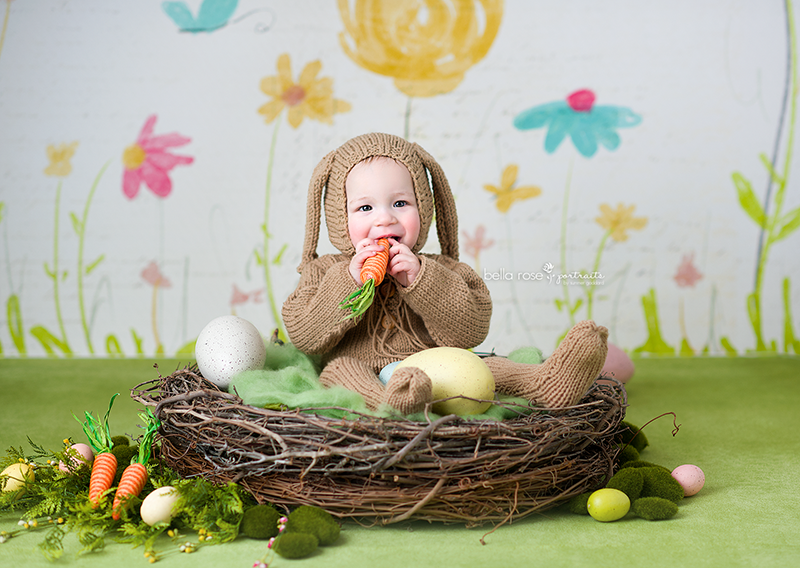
x=372 y=273
x=104 y=466
x=135 y=475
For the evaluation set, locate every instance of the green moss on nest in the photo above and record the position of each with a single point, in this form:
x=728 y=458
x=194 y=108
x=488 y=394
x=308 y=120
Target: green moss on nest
x=123 y=455
x=260 y=521
x=316 y=521
x=641 y=463
x=629 y=480
x=577 y=504
x=628 y=434
x=119 y=441
x=658 y=482
x=295 y=544
x=654 y=508
x=628 y=454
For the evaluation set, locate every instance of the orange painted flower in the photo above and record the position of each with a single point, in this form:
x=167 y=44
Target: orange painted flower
x=425 y=45
x=310 y=97
x=507 y=194
x=59 y=158
x=618 y=221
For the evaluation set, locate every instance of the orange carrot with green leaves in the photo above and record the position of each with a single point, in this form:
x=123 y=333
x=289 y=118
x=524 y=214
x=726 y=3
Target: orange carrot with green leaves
x=104 y=467
x=135 y=475
x=372 y=273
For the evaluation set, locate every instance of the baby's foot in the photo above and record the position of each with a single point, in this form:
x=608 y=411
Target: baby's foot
x=564 y=377
x=409 y=390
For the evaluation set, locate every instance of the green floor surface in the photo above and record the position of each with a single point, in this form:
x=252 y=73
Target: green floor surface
x=739 y=422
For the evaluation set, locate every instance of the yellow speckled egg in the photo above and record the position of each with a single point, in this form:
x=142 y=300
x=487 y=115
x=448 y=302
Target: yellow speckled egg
x=226 y=346
x=455 y=372
x=608 y=504
x=159 y=506
x=16 y=476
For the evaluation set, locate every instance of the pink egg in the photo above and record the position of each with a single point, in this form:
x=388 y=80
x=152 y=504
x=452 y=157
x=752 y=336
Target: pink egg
x=79 y=454
x=618 y=365
x=690 y=477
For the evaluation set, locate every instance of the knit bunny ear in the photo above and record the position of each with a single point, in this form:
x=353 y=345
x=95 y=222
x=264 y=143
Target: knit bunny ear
x=319 y=180
x=444 y=205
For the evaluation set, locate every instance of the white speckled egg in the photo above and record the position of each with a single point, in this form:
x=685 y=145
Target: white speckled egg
x=229 y=345
x=158 y=506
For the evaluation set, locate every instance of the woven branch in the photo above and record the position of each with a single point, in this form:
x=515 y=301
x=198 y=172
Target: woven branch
x=381 y=470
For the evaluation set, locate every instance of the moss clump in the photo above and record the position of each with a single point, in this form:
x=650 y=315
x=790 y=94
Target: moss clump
x=119 y=441
x=641 y=463
x=124 y=454
x=260 y=521
x=629 y=480
x=295 y=544
x=315 y=521
x=654 y=508
x=628 y=435
x=628 y=454
x=578 y=504
x=658 y=482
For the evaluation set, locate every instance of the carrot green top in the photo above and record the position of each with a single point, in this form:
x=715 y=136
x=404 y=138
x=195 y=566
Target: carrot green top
x=98 y=433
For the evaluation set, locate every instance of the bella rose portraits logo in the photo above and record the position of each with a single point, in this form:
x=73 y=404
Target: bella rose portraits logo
x=570 y=278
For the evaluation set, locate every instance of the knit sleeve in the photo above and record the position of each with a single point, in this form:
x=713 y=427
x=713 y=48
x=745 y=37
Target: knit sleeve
x=452 y=300
x=314 y=321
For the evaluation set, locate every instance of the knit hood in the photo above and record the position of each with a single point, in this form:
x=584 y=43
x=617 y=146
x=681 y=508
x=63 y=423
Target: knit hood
x=328 y=187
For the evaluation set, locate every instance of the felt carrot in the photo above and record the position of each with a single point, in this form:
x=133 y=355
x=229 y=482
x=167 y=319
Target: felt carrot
x=135 y=475
x=372 y=274
x=104 y=466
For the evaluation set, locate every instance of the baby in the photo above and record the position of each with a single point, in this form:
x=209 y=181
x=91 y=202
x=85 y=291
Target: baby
x=377 y=185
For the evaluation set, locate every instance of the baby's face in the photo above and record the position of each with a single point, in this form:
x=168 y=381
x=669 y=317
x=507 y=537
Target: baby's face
x=381 y=202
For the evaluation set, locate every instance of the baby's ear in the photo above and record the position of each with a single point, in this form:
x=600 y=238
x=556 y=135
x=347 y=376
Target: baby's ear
x=445 y=205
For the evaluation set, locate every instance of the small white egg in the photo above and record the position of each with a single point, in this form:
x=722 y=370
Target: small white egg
x=226 y=346
x=158 y=506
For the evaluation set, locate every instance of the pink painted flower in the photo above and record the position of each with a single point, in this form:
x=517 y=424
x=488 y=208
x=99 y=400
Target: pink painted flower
x=148 y=161
x=475 y=244
x=687 y=274
x=238 y=297
x=152 y=275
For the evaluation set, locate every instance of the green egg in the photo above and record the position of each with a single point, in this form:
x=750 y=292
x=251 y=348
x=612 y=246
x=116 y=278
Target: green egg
x=608 y=505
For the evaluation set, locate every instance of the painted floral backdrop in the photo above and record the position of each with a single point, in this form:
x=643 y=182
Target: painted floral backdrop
x=630 y=162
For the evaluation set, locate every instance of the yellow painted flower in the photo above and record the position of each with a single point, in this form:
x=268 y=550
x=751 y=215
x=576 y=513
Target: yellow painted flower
x=59 y=158
x=618 y=221
x=310 y=97
x=425 y=45
x=507 y=194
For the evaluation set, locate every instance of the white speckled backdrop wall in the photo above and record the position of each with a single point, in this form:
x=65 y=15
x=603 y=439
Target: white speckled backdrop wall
x=630 y=162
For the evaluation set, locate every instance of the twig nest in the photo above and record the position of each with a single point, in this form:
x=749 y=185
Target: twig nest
x=227 y=346
x=455 y=373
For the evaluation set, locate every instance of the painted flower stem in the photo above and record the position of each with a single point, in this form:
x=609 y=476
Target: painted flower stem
x=595 y=269
x=154 y=321
x=265 y=229
x=5 y=25
x=55 y=275
x=81 y=225
x=564 y=219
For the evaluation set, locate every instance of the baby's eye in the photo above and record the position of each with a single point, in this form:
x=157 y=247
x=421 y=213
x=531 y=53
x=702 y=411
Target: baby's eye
x=400 y=203
x=365 y=208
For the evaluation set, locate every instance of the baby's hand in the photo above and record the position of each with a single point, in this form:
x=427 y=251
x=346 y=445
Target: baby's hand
x=404 y=266
x=364 y=249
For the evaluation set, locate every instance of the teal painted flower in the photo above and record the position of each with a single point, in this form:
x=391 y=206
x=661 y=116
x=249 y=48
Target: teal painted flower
x=586 y=123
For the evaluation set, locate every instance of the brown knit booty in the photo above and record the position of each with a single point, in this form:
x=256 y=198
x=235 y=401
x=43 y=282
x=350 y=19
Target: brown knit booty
x=409 y=390
x=356 y=376
x=564 y=377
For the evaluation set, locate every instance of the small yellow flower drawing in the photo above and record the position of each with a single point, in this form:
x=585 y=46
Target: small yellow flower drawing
x=425 y=45
x=507 y=194
x=618 y=221
x=59 y=157
x=310 y=97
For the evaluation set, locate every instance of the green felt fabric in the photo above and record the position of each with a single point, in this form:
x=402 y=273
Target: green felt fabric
x=739 y=422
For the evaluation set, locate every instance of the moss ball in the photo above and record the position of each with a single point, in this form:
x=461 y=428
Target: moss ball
x=628 y=454
x=629 y=480
x=295 y=544
x=120 y=441
x=641 y=463
x=316 y=521
x=260 y=521
x=628 y=434
x=654 y=508
x=578 y=504
x=658 y=482
x=527 y=355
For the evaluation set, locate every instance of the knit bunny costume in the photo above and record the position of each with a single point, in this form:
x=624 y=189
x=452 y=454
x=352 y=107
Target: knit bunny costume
x=448 y=304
